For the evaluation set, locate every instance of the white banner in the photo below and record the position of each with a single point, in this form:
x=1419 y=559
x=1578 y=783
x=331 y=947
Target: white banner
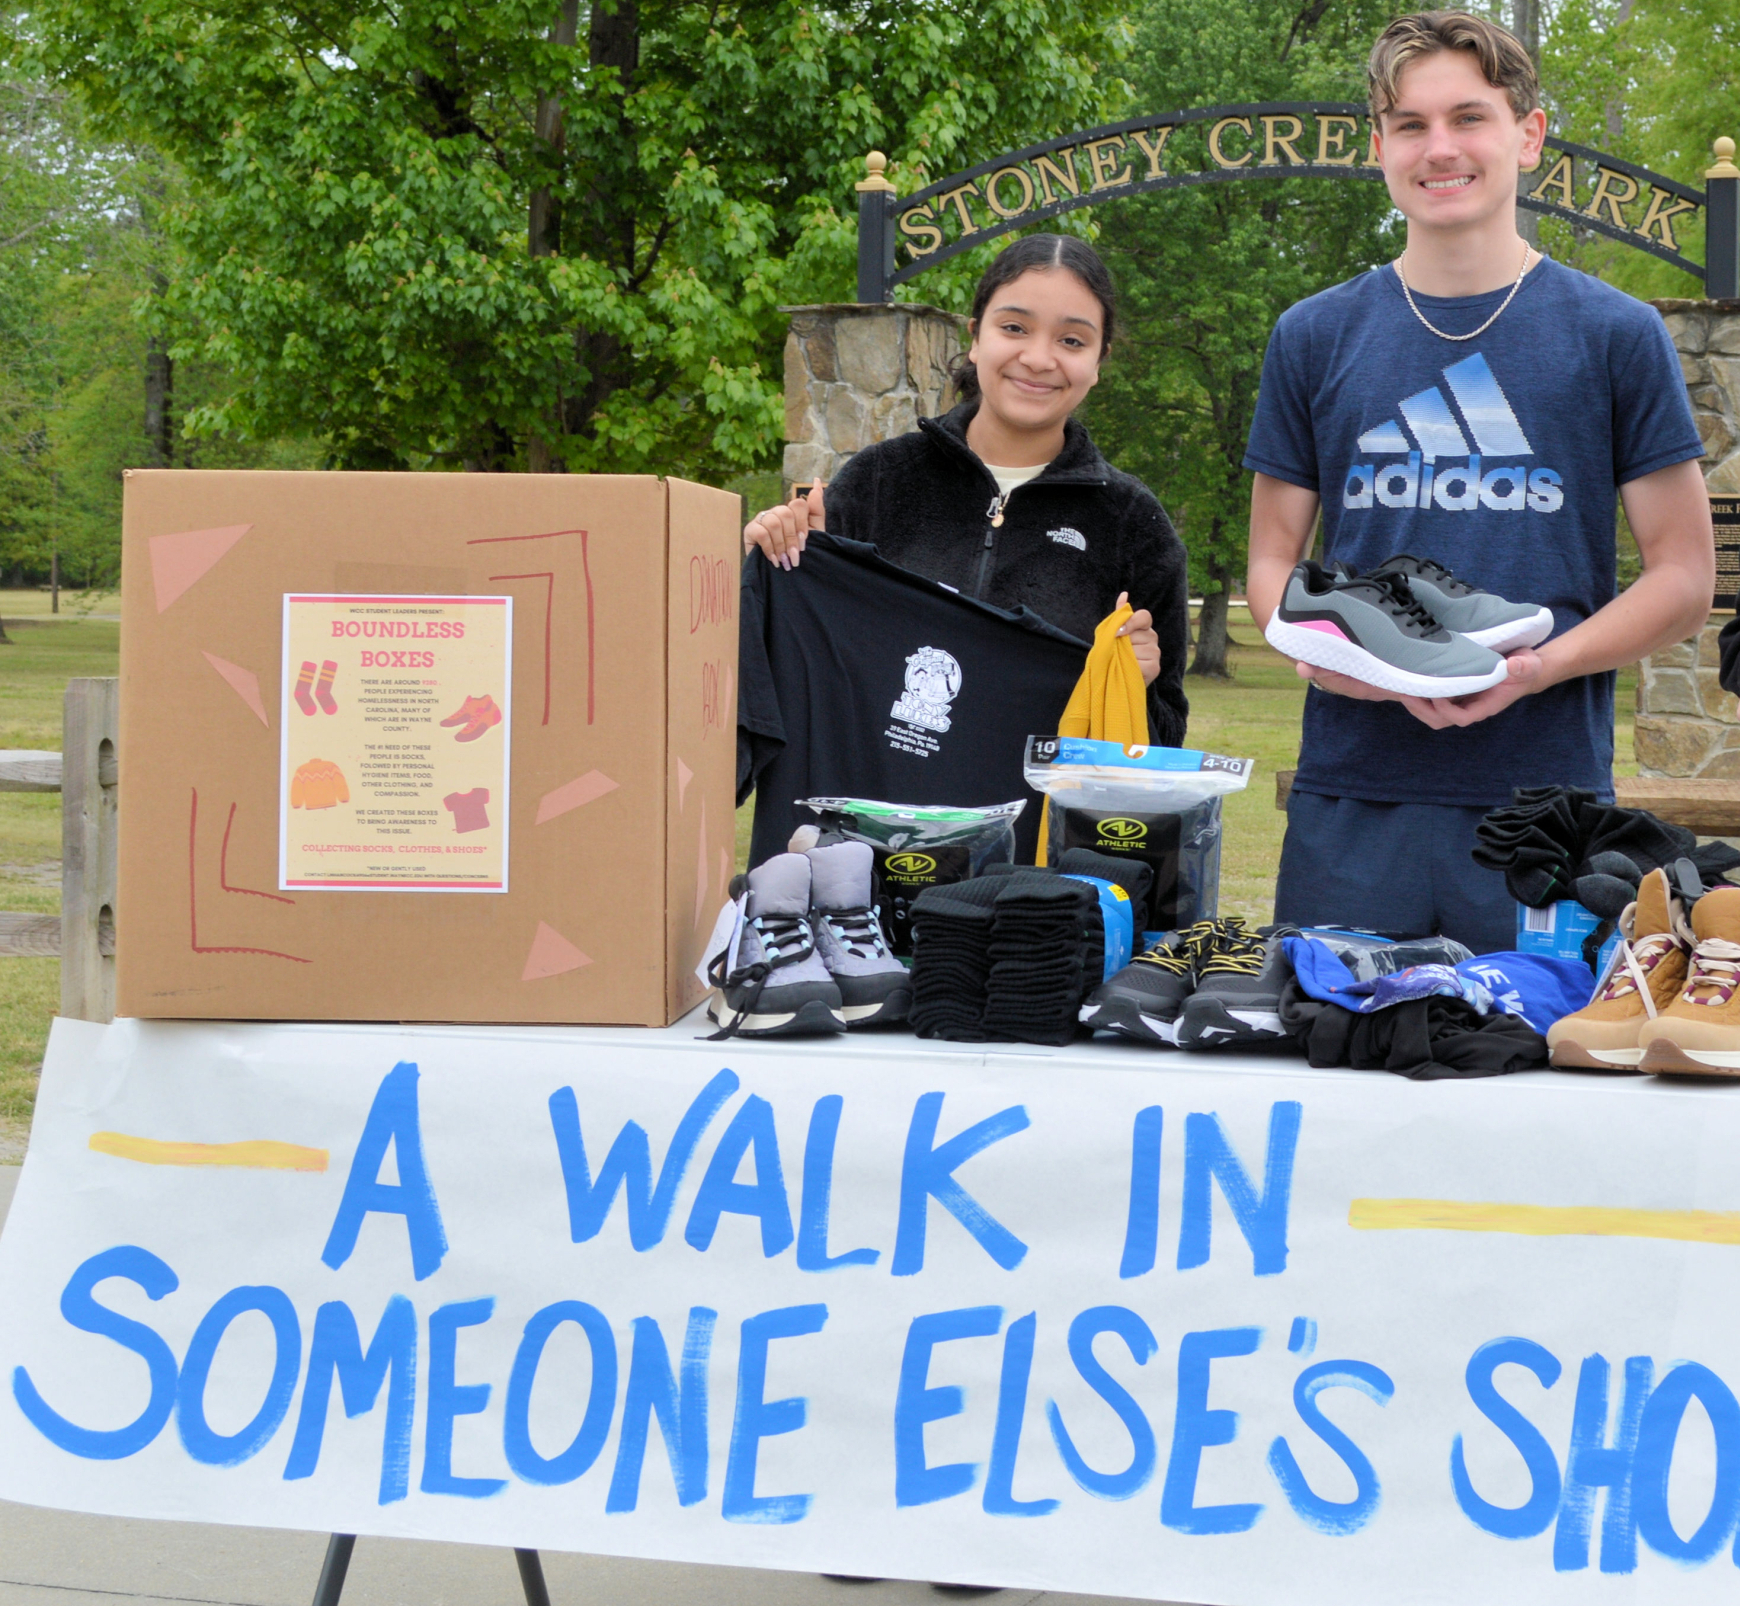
x=1102 y=1320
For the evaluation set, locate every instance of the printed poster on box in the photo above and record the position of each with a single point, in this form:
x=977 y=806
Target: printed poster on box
x=395 y=719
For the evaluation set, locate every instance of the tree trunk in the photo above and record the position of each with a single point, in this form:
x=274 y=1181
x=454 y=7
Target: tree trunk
x=544 y=225
x=159 y=406
x=1211 y=635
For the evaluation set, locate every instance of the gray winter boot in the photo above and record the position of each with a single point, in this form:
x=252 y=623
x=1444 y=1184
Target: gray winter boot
x=776 y=984
x=875 y=988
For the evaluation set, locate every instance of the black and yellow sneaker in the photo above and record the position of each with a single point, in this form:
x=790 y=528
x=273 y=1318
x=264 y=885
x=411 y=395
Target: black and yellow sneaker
x=1144 y=999
x=1237 y=998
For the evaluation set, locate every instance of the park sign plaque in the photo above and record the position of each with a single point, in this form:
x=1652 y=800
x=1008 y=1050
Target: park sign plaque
x=1725 y=516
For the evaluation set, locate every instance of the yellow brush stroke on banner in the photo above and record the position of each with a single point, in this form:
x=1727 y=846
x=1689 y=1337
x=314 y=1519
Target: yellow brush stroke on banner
x=260 y=1155
x=1544 y=1221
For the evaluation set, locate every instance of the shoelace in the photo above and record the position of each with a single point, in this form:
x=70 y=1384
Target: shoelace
x=1180 y=956
x=1242 y=953
x=1716 y=966
x=1444 y=579
x=1636 y=960
x=785 y=939
x=859 y=931
x=1404 y=605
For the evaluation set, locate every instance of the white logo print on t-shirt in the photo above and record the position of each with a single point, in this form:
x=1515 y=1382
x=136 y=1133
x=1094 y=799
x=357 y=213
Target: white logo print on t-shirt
x=1422 y=481
x=933 y=681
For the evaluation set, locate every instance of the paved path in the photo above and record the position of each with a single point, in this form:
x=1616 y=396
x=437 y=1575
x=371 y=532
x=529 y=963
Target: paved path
x=56 y=1558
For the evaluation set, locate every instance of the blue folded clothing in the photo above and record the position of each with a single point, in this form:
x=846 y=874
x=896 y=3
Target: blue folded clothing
x=1538 y=989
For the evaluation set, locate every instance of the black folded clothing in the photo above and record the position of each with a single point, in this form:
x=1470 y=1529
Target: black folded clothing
x=1425 y=1039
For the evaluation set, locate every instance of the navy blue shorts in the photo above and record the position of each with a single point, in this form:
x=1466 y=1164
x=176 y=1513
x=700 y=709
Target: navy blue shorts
x=1399 y=868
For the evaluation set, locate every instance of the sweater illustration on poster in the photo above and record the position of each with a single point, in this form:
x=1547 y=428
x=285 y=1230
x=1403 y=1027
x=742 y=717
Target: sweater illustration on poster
x=933 y=682
x=318 y=784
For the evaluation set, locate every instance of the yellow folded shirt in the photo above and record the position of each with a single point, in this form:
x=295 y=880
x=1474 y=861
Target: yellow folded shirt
x=1110 y=701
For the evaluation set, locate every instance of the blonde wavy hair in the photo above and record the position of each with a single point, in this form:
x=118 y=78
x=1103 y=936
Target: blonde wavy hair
x=1500 y=55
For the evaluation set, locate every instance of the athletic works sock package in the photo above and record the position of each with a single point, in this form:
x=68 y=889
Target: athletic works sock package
x=914 y=848
x=423 y=747
x=1157 y=804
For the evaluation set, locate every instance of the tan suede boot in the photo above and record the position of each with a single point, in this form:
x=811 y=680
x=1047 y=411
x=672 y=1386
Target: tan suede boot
x=1699 y=1033
x=1605 y=1035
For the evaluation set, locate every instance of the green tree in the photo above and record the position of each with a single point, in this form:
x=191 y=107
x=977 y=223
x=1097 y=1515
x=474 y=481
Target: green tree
x=517 y=234
x=1654 y=81
x=1204 y=272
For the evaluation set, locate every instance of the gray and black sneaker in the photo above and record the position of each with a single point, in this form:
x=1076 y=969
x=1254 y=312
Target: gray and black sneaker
x=1467 y=610
x=1373 y=629
x=875 y=988
x=1144 y=999
x=776 y=984
x=1237 y=1000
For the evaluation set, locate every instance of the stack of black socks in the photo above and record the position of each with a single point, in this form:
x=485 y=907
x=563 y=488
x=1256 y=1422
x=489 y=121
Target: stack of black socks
x=951 y=959
x=1010 y=956
x=1038 y=925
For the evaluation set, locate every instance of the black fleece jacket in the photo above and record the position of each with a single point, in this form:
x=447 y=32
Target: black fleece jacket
x=1071 y=539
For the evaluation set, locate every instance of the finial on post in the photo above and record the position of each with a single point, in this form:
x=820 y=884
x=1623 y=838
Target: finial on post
x=1724 y=168
x=876 y=172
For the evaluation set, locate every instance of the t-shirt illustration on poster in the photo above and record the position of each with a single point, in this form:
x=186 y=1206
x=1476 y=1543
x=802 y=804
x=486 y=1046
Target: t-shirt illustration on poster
x=395 y=720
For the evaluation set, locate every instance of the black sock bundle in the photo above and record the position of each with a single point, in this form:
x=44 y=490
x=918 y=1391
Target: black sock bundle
x=1034 y=990
x=1550 y=838
x=1135 y=876
x=951 y=959
x=1010 y=956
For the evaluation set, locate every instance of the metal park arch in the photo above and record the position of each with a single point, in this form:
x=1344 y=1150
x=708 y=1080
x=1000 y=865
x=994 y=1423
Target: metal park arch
x=1280 y=139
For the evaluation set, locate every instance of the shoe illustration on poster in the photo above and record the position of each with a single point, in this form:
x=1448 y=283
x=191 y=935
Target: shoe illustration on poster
x=476 y=715
x=400 y=740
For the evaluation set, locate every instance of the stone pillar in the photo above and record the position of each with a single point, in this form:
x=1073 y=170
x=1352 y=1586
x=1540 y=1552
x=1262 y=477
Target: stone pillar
x=1686 y=724
x=856 y=374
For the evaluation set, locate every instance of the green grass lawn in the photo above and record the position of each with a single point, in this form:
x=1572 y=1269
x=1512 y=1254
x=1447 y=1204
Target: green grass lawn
x=1255 y=714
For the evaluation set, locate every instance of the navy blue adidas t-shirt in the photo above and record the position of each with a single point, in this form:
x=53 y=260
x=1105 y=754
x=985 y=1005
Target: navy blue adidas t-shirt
x=1501 y=457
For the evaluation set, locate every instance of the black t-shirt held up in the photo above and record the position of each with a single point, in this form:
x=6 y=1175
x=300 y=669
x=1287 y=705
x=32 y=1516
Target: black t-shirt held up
x=858 y=678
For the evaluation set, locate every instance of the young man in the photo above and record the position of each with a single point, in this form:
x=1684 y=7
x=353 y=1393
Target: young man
x=1476 y=404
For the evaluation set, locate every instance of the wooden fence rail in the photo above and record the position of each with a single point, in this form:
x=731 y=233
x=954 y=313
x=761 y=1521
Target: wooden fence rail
x=86 y=773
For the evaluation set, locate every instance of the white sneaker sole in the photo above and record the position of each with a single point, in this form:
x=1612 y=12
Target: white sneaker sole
x=722 y=1014
x=1343 y=657
x=1518 y=633
x=1165 y=1030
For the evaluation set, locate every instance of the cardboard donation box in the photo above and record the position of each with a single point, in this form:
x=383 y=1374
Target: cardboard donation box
x=423 y=747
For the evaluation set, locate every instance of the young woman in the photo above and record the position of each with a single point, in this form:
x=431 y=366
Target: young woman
x=1006 y=498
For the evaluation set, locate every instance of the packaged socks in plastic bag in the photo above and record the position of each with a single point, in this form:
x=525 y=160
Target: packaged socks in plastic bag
x=1160 y=805
x=918 y=847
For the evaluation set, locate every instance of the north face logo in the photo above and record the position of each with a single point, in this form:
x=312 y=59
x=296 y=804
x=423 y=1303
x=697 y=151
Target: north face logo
x=1068 y=537
x=1433 y=431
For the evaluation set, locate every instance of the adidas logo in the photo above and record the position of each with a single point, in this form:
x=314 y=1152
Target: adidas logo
x=1482 y=425
x=1068 y=537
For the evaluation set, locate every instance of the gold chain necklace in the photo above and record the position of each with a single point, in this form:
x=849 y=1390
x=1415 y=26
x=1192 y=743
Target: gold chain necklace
x=1528 y=251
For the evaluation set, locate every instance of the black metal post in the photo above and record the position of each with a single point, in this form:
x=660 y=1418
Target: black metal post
x=332 y=1571
x=1721 y=225
x=532 y=1578
x=875 y=233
